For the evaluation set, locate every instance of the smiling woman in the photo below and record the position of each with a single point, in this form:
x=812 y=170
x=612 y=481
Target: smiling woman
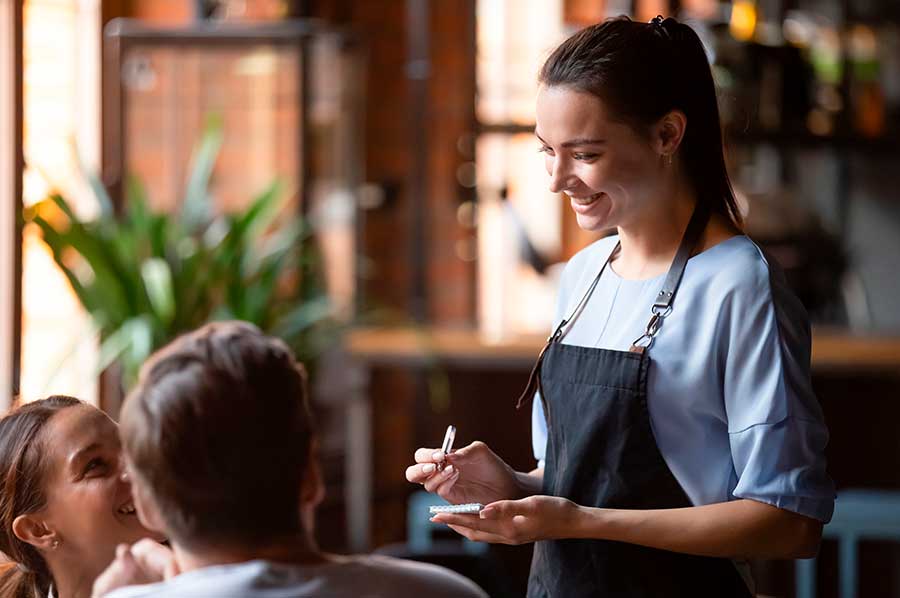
x=65 y=503
x=685 y=449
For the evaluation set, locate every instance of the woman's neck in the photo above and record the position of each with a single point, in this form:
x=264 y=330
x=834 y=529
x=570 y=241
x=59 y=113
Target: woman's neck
x=72 y=582
x=650 y=241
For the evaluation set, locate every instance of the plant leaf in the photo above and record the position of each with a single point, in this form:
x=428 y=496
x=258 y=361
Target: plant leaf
x=195 y=211
x=158 y=283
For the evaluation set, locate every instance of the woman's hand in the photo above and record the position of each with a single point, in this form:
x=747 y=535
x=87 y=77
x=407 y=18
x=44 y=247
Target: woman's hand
x=146 y=561
x=517 y=521
x=472 y=474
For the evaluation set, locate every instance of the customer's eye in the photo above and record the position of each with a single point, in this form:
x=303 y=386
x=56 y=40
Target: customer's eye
x=95 y=465
x=545 y=149
x=585 y=156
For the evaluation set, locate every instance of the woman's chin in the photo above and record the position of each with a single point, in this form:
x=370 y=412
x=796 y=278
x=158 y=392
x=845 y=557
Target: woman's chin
x=593 y=222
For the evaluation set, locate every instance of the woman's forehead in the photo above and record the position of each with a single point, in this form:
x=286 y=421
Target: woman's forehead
x=76 y=428
x=563 y=112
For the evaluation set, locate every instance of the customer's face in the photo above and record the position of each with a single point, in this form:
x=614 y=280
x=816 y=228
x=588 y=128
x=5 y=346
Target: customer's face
x=609 y=172
x=89 y=503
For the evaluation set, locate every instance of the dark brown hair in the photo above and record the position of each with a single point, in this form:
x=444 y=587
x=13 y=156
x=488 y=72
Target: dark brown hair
x=219 y=429
x=22 y=475
x=642 y=71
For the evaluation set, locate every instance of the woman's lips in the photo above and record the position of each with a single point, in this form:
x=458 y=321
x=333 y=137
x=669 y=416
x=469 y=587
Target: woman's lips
x=583 y=205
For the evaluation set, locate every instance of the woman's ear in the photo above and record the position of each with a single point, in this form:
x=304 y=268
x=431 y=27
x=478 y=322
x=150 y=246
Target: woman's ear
x=668 y=132
x=31 y=529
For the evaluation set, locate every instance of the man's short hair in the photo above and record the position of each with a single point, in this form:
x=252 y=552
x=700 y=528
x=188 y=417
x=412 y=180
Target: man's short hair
x=220 y=431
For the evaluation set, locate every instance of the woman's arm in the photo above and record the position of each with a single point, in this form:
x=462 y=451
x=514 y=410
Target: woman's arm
x=737 y=529
x=530 y=482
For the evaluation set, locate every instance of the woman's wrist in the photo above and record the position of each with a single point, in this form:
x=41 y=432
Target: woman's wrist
x=590 y=523
x=528 y=483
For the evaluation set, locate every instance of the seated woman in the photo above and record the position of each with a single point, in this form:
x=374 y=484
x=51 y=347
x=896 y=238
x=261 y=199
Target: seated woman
x=65 y=502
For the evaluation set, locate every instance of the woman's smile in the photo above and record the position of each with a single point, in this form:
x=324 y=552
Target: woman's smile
x=585 y=204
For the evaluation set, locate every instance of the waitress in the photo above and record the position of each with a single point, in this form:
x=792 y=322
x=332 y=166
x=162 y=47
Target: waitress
x=674 y=424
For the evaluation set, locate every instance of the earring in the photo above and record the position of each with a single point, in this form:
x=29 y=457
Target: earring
x=55 y=544
x=669 y=159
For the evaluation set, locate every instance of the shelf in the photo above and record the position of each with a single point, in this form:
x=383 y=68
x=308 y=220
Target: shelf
x=887 y=143
x=832 y=350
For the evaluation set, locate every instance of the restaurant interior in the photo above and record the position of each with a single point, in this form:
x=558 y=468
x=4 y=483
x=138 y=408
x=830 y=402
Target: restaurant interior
x=411 y=251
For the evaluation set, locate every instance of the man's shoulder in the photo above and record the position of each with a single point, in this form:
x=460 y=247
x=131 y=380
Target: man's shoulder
x=364 y=575
x=414 y=575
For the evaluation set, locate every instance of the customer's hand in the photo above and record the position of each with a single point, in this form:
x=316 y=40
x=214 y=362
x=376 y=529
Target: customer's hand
x=146 y=561
x=471 y=474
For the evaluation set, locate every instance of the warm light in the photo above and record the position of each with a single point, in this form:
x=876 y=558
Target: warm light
x=60 y=83
x=512 y=298
x=513 y=38
x=743 y=20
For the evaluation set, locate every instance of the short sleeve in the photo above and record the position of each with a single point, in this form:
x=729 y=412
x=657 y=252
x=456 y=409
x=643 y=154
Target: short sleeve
x=538 y=430
x=776 y=428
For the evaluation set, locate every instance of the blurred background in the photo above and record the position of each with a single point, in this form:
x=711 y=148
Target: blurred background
x=361 y=178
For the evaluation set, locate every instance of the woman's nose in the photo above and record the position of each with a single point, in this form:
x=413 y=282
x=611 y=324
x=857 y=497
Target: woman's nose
x=124 y=476
x=560 y=177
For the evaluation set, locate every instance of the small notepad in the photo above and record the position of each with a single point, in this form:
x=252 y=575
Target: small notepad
x=474 y=507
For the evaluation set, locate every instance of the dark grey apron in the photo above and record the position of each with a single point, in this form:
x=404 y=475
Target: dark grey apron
x=601 y=453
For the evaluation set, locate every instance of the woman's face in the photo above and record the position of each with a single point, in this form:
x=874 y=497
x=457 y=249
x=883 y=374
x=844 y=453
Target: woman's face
x=89 y=503
x=608 y=171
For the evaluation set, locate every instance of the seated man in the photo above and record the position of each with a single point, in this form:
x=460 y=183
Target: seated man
x=219 y=442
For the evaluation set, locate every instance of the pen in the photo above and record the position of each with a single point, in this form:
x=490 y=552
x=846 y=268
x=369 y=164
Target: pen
x=447 y=446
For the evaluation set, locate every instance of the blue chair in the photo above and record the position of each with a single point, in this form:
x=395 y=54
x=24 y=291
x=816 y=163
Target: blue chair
x=471 y=559
x=858 y=514
x=420 y=529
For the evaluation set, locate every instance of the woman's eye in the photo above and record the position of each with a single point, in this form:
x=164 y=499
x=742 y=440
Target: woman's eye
x=581 y=156
x=545 y=150
x=95 y=465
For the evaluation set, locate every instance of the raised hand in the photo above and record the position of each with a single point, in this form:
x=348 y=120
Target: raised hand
x=473 y=473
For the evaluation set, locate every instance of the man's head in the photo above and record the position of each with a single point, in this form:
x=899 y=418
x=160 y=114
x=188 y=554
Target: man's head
x=218 y=435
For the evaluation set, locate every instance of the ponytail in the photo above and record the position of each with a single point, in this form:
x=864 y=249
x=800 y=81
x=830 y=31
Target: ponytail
x=18 y=581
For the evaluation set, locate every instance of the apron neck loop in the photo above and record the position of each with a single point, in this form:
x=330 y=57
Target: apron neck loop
x=534 y=378
x=662 y=307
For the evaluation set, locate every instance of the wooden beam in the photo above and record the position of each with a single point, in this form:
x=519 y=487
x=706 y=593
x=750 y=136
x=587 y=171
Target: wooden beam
x=10 y=198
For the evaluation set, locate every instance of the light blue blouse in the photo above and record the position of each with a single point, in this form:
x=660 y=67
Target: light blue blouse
x=729 y=393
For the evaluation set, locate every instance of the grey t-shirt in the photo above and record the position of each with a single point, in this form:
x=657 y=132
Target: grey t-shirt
x=368 y=576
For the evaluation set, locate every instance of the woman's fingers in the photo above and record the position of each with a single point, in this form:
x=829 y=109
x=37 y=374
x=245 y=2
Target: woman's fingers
x=417 y=474
x=154 y=558
x=429 y=455
x=436 y=481
x=479 y=536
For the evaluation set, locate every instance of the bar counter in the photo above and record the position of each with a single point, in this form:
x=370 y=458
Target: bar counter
x=832 y=349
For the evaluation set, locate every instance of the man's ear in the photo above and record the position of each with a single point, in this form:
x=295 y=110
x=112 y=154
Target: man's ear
x=31 y=529
x=312 y=488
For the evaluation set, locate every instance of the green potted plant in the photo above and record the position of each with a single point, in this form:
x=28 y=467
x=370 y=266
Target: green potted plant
x=145 y=277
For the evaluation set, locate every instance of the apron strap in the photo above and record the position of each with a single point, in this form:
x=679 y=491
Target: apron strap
x=662 y=307
x=534 y=378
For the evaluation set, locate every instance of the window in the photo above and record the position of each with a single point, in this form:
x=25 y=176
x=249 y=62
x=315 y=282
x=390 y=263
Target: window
x=61 y=55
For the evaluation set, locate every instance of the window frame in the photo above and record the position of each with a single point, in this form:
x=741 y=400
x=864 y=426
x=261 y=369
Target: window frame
x=11 y=164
